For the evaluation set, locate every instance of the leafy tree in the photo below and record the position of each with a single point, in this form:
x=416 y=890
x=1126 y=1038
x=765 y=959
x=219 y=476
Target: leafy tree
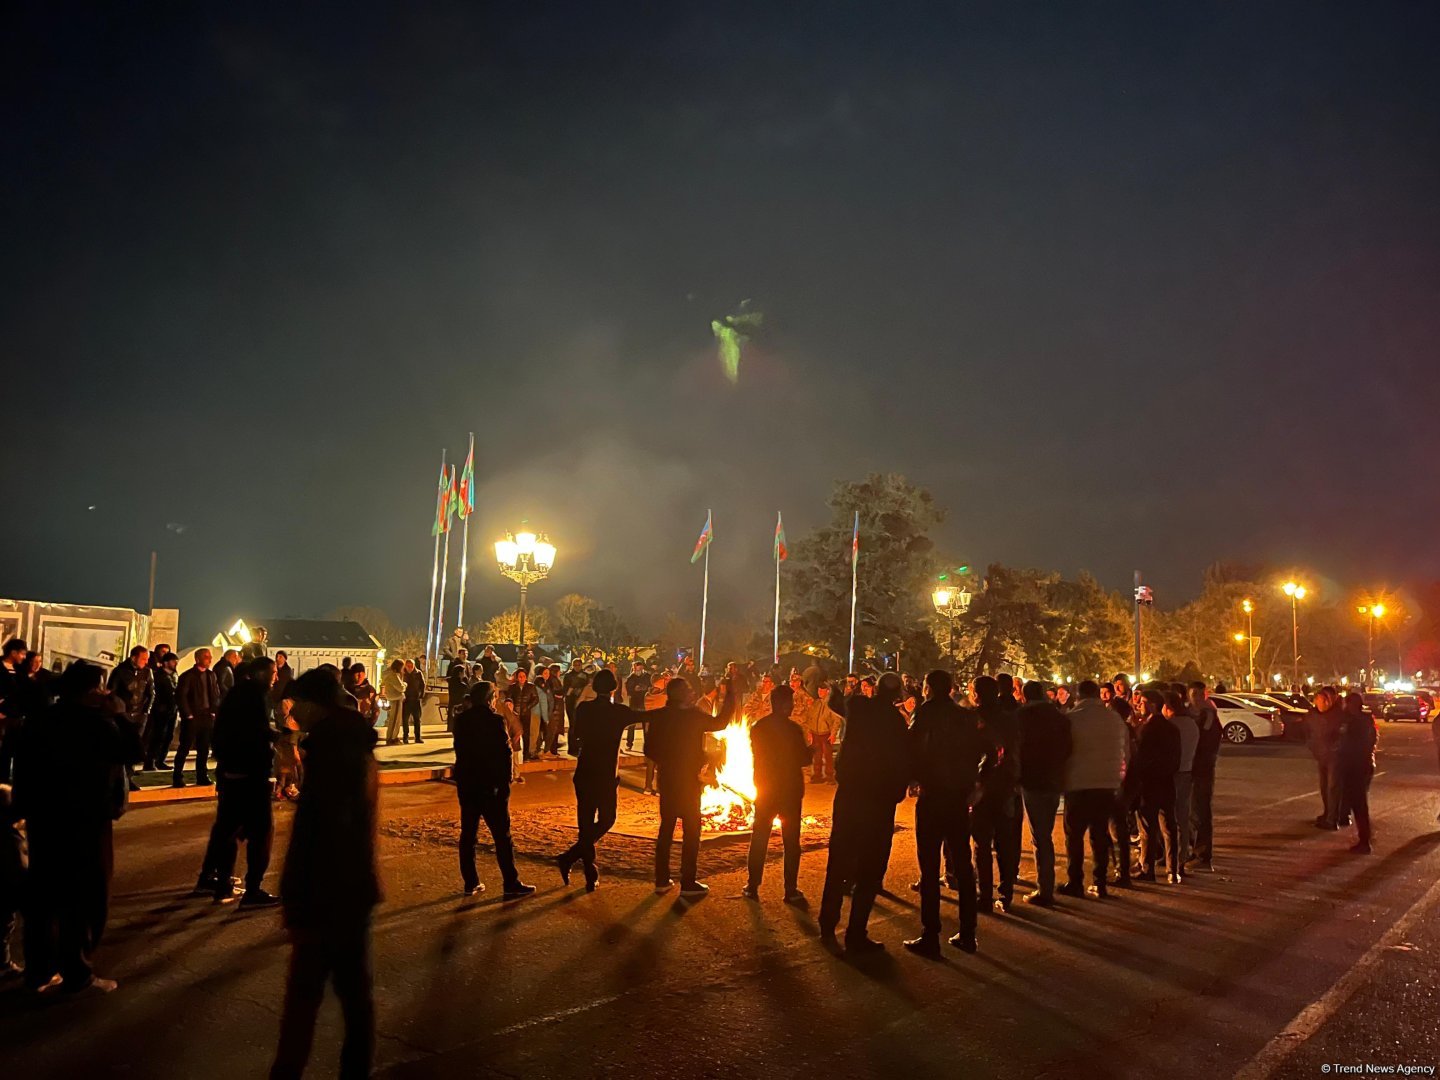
x=402 y=642
x=505 y=627
x=897 y=572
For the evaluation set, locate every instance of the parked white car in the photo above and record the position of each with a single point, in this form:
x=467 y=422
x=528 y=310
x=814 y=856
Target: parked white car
x=1241 y=721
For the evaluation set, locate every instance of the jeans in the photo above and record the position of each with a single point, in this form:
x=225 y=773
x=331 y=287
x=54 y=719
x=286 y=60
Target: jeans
x=1089 y=811
x=595 y=815
x=1183 y=827
x=1122 y=826
x=1162 y=832
x=340 y=955
x=1202 y=799
x=944 y=823
x=766 y=811
x=683 y=805
x=995 y=826
x=410 y=717
x=194 y=732
x=1355 y=781
x=494 y=807
x=242 y=809
x=1040 y=809
x=159 y=732
x=861 y=832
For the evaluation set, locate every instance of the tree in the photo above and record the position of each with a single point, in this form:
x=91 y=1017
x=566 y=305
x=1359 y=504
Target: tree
x=505 y=627
x=580 y=623
x=401 y=642
x=897 y=571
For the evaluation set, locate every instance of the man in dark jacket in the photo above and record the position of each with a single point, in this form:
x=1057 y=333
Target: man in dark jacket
x=637 y=685
x=244 y=752
x=489 y=663
x=198 y=695
x=996 y=818
x=163 y=713
x=596 y=726
x=414 y=699
x=133 y=684
x=225 y=673
x=1152 y=777
x=675 y=741
x=873 y=774
x=524 y=699
x=947 y=757
x=777 y=747
x=482 y=779
x=457 y=682
x=1044 y=750
x=1322 y=728
x=1202 y=778
x=331 y=880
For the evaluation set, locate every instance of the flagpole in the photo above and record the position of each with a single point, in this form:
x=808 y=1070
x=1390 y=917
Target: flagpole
x=704 y=605
x=854 y=584
x=465 y=541
x=775 y=657
x=434 y=577
x=440 y=619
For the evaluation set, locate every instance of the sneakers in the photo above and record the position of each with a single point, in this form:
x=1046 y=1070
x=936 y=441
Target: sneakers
x=257 y=898
x=1039 y=899
x=964 y=942
x=1097 y=892
x=924 y=945
x=662 y=887
x=518 y=890
x=1173 y=879
x=796 y=897
x=1070 y=888
x=1001 y=907
x=750 y=892
x=472 y=890
x=694 y=889
x=96 y=985
x=224 y=894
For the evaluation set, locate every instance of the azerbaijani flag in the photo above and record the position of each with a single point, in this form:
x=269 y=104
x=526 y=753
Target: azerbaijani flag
x=442 y=503
x=466 y=504
x=855 y=545
x=706 y=534
x=781 y=551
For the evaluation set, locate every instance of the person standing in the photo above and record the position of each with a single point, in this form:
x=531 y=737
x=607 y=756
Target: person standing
x=66 y=776
x=873 y=774
x=458 y=678
x=414 y=706
x=525 y=700
x=163 y=713
x=392 y=689
x=1322 y=727
x=489 y=663
x=133 y=683
x=1202 y=779
x=225 y=673
x=1099 y=741
x=1044 y=751
x=1356 y=762
x=198 y=695
x=675 y=741
x=820 y=722
x=596 y=726
x=1179 y=713
x=482 y=779
x=948 y=755
x=244 y=752
x=576 y=682
x=637 y=685
x=995 y=817
x=12 y=659
x=1157 y=759
x=256 y=648
x=331 y=880
x=777 y=747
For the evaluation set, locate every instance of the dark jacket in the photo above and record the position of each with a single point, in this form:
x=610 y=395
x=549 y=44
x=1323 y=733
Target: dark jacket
x=1357 y=739
x=1044 y=746
x=415 y=686
x=68 y=766
x=166 y=695
x=778 y=748
x=136 y=688
x=489 y=665
x=636 y=687
x=482 y=752
x=875 y=760
x=675 y=741
x=224 y=679
x=596 y=728
x=999 y=727
x=1207 y=750
x=1322 y=732
x=948 y=753
x=331 y=878
x=1157 y=757
x=525 y=699
x=244 y=740
x=198 y=694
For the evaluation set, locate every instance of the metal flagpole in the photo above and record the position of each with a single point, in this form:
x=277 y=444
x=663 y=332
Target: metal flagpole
x=440 y=618
x=775 y=658
x=854 y=584
x=434 y=574
x=704 y=606
x=465 y=538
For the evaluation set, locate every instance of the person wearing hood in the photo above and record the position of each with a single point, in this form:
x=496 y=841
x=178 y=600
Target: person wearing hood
x=873 y=774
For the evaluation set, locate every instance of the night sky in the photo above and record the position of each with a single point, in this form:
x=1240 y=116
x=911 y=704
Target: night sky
x=1124 y=285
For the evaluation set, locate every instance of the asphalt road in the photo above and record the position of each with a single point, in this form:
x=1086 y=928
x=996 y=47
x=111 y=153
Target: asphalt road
x=1196 y=980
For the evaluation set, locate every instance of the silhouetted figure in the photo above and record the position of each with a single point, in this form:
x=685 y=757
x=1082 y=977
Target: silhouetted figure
x=1044 y=749
x=1152 y=777
x=996 y=818
x=873 y=774
x=1356 y=761
x=198 y=695
x=596 y=726
x=948 y=755
x=777 y=747
x=331 y=881
x=1202 y=779
x=482 y=779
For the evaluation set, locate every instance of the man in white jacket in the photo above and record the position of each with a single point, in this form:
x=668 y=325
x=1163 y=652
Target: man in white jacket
x=1092 y=779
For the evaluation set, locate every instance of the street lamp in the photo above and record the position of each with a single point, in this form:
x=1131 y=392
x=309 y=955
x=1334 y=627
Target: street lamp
x=951 y=603
x=1375 y=611
x=1296 y=594
x=1249 y=610
x=1239 y=637
x=526 y=558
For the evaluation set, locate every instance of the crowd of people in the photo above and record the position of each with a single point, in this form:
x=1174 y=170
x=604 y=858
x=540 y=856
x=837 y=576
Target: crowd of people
x=1130 y=773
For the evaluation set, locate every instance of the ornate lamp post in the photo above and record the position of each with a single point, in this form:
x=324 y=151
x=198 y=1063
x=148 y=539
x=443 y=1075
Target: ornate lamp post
x=951 y=603
x=1249 y=610
x=1296 y=594
x=526 y=558
x=1375 y=611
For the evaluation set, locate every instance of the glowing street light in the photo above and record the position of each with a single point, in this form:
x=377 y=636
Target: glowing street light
x=951 y=604
x=1375 y=611
x=525 y=558
x=1249 y=609
x=1296 y=594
